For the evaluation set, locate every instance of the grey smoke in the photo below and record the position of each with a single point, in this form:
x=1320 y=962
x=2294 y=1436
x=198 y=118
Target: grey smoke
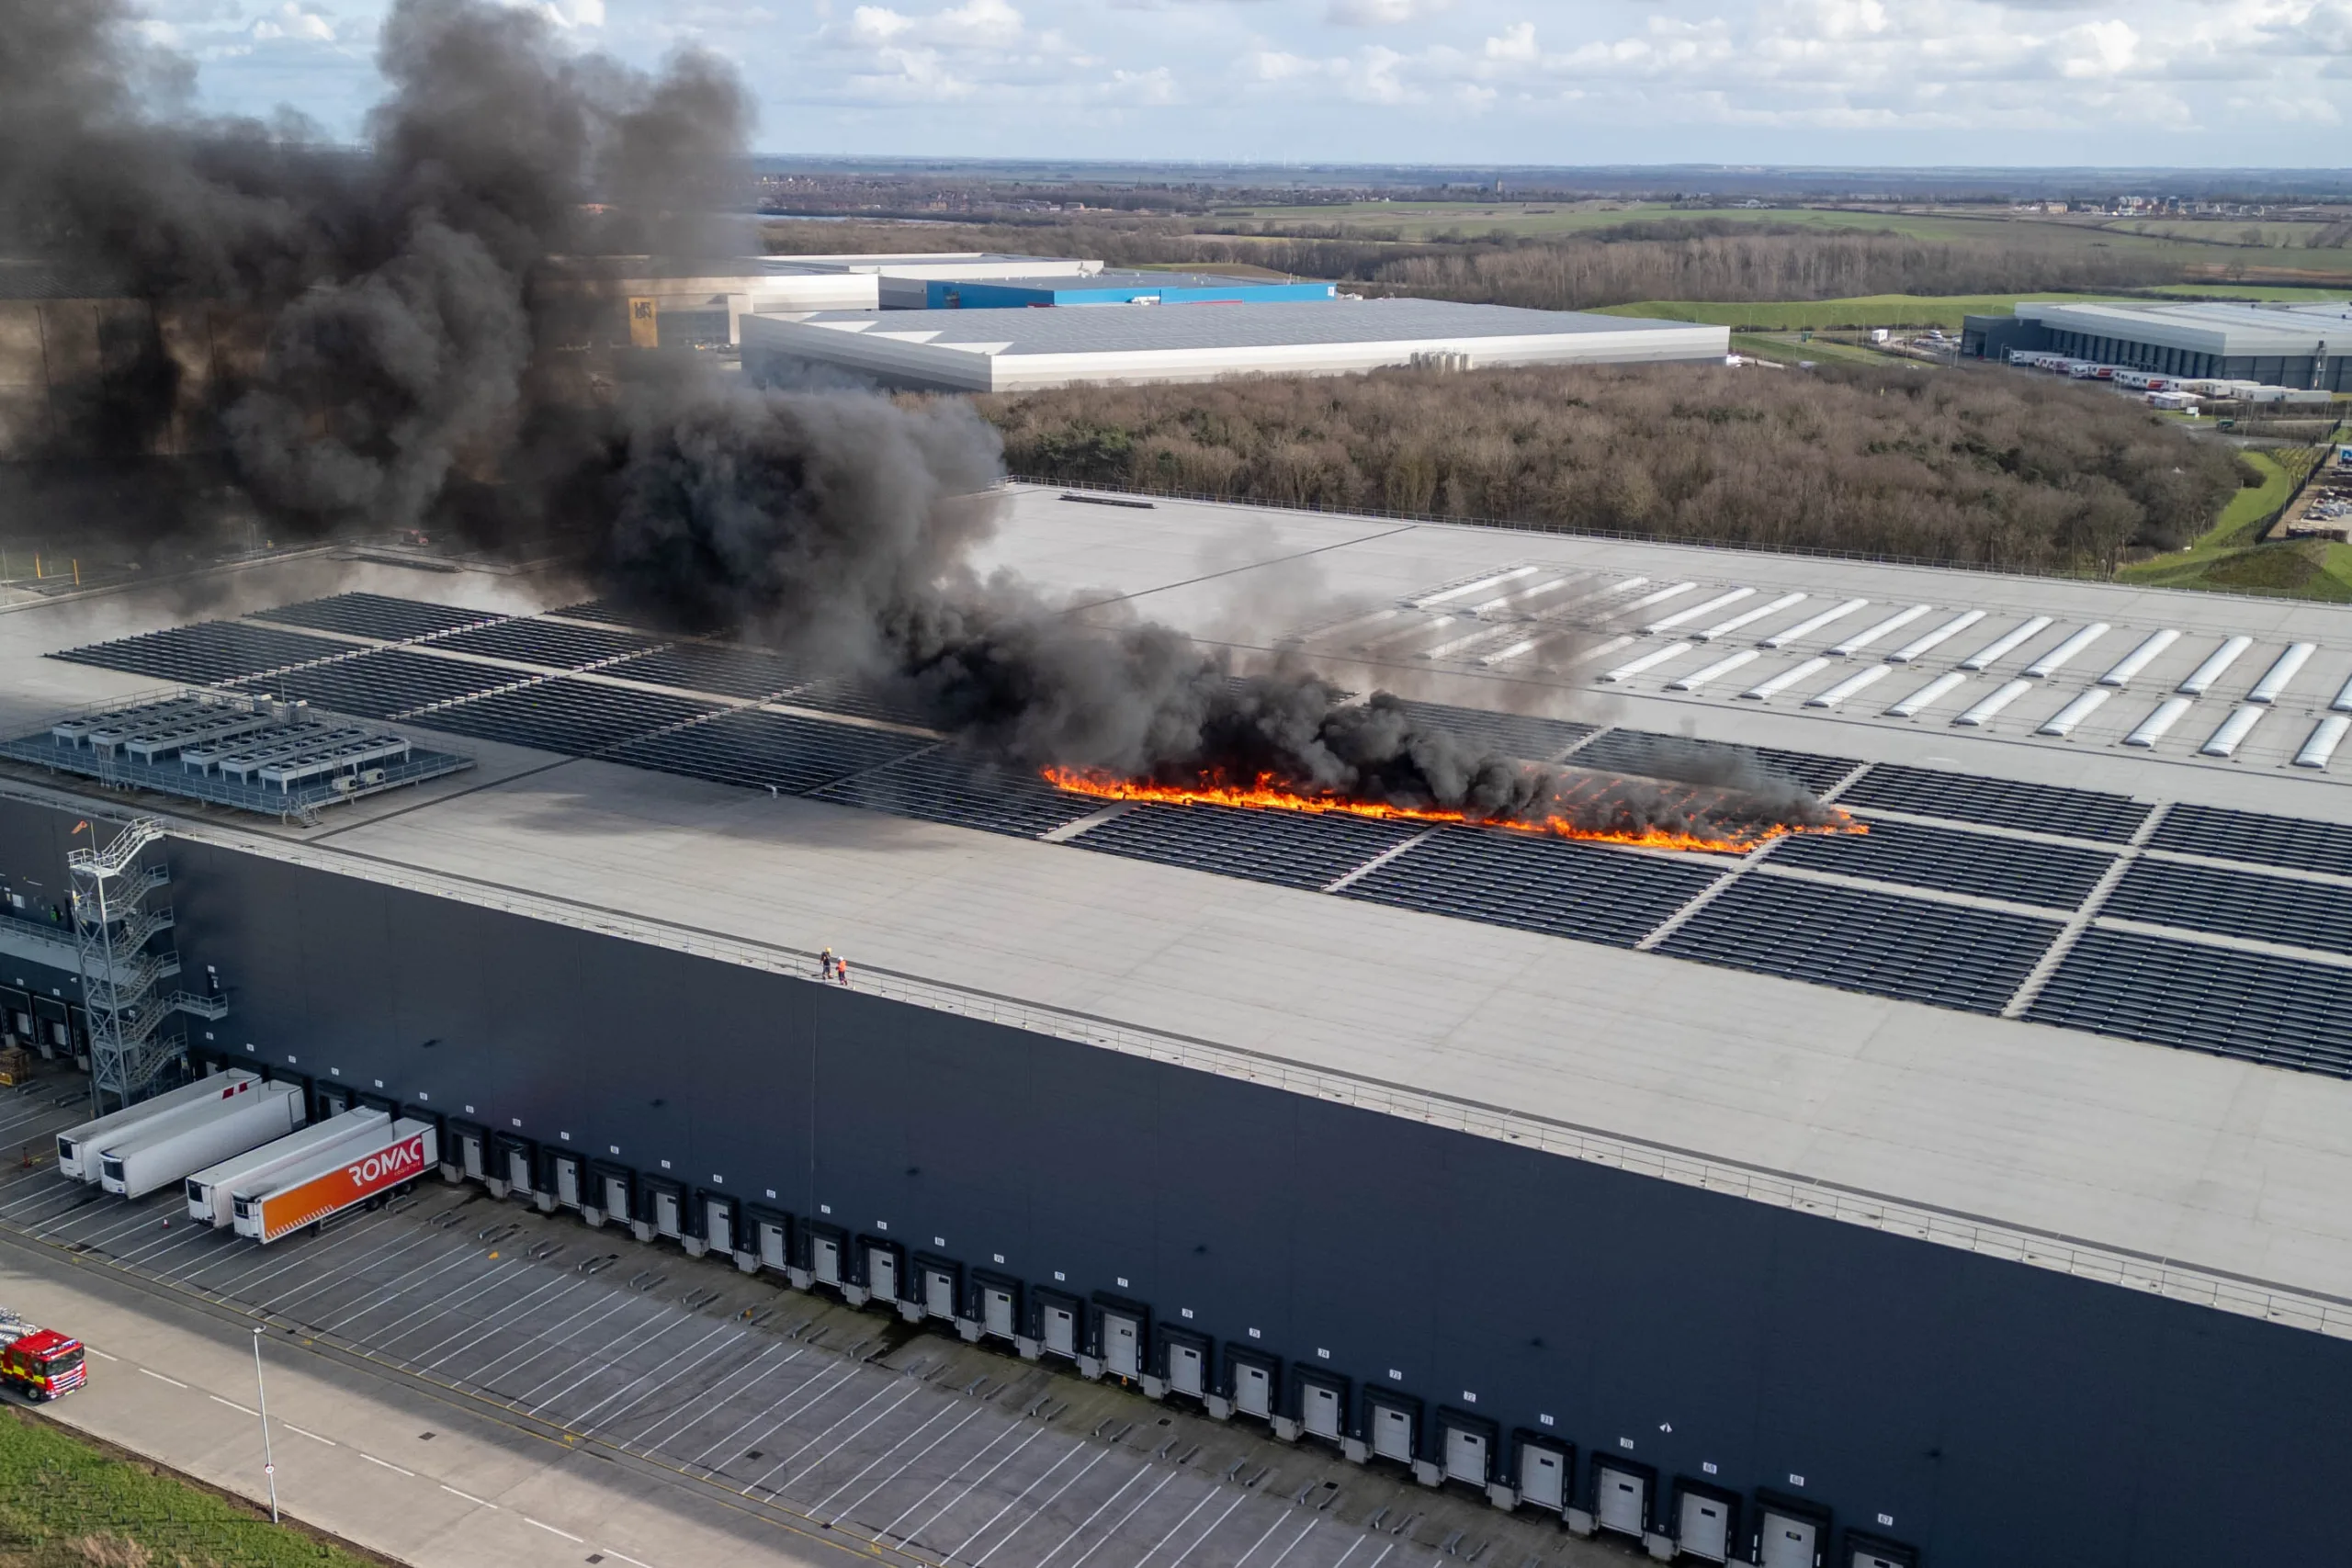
x=401 y=370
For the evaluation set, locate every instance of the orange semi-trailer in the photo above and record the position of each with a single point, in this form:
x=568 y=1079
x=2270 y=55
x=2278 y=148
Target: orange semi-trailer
x=284 y=1201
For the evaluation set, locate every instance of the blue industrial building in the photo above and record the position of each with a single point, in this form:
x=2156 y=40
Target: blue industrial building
x=1116 y=289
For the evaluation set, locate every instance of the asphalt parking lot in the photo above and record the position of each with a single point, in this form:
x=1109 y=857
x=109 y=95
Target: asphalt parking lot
x=849 y=1419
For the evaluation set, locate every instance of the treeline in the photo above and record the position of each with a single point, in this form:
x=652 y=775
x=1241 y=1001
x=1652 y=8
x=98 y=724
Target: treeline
x=1659 y=260
x=1966 y=466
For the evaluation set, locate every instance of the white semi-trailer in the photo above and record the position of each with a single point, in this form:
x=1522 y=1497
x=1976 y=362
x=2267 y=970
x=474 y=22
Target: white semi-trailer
x=77 y=1146
x=162 y=1154
x=326 y=1184
x=212 y=1192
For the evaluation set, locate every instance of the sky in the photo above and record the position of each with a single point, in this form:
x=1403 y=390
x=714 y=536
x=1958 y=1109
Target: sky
x=2129 y=82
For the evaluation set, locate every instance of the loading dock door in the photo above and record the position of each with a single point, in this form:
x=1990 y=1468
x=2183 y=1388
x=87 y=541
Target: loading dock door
x=1122 y=1345
x=1186 y=1373
x=1318 y=1410
x=996 y=1310
x=718 y=1224
x=333 y=1102
x=1622 y=1501
x=1061 y=1330
x=617 y=1196
x=1787 y=1541
x=1253 y=1391
x=1703 y=1527
x=1465 y=1456
x=881 y=1274
x=567 y=1182
x=1863 y=1551
x=1392 y=1433
x=665 y=1216
x=469 y=1146
x=825 y=1259
x=771 y=1240
x=939 y=1293
x=518 y=1169
x=1542 y=1480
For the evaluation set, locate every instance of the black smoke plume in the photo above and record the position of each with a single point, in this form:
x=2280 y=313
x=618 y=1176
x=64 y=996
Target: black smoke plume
x=403 y=370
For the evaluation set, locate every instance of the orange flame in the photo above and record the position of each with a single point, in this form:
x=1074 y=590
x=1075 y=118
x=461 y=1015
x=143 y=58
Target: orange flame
x=1268 y=795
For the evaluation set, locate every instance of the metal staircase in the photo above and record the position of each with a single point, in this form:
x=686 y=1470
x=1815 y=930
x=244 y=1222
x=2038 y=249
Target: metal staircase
x=133 y=1023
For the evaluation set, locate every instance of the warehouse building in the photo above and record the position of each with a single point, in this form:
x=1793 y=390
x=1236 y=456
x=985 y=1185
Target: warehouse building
x=1119 y=288
x=1008 y=350
x=1967 y=1193
x=2298 y=345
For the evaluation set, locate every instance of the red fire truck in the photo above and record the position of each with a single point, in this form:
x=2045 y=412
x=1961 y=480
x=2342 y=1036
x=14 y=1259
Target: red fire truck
x=42 y=1361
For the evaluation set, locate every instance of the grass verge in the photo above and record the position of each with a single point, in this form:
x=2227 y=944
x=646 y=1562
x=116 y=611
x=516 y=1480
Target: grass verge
x=2229 y=557
x=67 y=1501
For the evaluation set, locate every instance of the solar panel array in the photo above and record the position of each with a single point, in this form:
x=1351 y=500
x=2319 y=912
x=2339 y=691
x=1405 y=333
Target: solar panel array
x=381 y=684
x=862 y=699
x=2249 y=836
x=2235 y=903
x=1954 y=860
x=1998 y=802
x=576 y=716
x=1653 y=755
x=1528 y=736
x=208 y=652
x=2284 y=1011
x=606 y=612
x=550 y=644
x=1948 y=955
x=376 y=615
x=1281 y=847
x=769 y=751
x=732 y=671
x=947 y=785
x=1533 y=883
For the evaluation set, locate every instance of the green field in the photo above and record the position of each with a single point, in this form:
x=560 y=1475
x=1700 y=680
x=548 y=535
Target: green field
x=2228 y=558
x=1826 y=315
x=65 y=1503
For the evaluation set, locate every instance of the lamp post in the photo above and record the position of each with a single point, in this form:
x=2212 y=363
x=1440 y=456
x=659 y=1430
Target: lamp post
x=268 y=1466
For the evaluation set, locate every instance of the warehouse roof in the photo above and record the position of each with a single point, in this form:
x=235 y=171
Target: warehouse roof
x=2218 y=327
x=2214 y=1162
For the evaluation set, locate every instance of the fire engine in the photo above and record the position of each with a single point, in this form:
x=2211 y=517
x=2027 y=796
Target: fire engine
x=42 y=1361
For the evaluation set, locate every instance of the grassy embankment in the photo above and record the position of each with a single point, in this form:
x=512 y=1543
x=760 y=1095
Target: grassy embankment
x=2229 y=557
x=67 y=1502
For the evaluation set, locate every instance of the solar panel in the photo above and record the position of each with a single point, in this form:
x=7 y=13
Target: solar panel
x=382 y=683
x=1528 y=736
x=2249 y=836
x=1554 y=885
x=863 y=699
x=1948 y=955
x=1281 y=847
x=947 y=786
x=578 y=717
x=715 y=667
x=768 y=751
x=2235 y=903
x=2285 y=1011
x=376 y=615
x=1954 y=860
x=207 y=652
x=1998 y=802
x=1647 y=752
x=606 y=612
x=548 y=643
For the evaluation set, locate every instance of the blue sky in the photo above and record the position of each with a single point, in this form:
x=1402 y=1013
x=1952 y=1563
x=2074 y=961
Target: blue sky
x=1842 y=82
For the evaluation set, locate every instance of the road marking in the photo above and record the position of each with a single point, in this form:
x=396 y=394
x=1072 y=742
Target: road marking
x=231 y=1403
x=388 y=1464
x=624 y=1557
x=467 y=1496
x=552 y=1530
x=312 y=1436
x=160 y=1378
x=101 y=1355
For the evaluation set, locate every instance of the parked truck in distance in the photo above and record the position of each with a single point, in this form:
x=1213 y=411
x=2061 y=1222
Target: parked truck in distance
x=212 y=1192
x=329 y=1182
x=43 y=1362
x=78 y=1147
x=165 y=1152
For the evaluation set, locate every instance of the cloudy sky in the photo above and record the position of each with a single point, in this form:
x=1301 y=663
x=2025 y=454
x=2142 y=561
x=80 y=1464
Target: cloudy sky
x=1845 y=81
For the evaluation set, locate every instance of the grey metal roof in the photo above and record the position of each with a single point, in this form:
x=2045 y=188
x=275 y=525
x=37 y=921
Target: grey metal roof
x=1128 y=277
x=1270 y=324
x=2219 y=327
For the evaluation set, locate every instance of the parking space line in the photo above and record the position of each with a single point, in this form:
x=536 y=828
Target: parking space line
x=667 y=1318
x=1153 y=1551
x=822 y=1434
x=552 y=1530
x=876 y=1419
x=892 y=1527
x=1021 y=1497
x=812 y=1402
x=655 y=1370
x=1286 y=1551
x=233 y=1404
x=435 y=1310
x=101 y=1355
x=1177 y=1560
x=1080 y=1529
x=1384 y=1551
x=388 y=1464
x=477 y=1502
x=1112 y=1534
x=1262 y=1540
x=969 y=1416
x=624 y=1557
x=554 y=1333
x=312 y=1436
x=691 y=1413
x=277 y=1263
x=482 y=1330
x=399 y=1286
x=160 y=1378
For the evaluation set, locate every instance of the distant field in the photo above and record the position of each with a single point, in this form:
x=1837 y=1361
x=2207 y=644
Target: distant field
x=1827 y=315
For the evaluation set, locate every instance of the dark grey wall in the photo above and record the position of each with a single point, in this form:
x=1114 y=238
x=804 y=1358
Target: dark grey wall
x=2002 y=1415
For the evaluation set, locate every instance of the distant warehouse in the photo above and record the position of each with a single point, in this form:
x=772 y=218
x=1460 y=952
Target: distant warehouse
x=1118 y=288
x=2294 y=345
x=1010 y=350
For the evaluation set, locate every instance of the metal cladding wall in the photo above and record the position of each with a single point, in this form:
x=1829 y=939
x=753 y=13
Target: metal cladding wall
x=2001 y=1414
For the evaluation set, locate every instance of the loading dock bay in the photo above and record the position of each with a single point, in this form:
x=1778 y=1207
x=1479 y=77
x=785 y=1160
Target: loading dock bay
x=928 y=1447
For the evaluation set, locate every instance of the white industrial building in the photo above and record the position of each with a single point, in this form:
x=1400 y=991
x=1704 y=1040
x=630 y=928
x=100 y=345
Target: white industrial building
x=1012 y=350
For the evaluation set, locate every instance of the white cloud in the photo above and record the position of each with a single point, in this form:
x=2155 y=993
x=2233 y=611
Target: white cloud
x=291 y=21
x=1384 y=13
